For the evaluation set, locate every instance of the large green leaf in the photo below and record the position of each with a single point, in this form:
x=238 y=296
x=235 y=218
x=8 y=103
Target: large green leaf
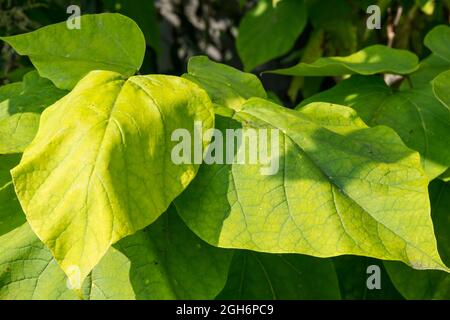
x=266 y=276
x=269 y=31
x=225 y=85
x=429 y=284
x=21 y=105
x=437 y=41
x=11 y=215
x=108 y=41
x=371 y=60
x=164 y=261
x=341 y=188
x=421 y=120
x=352 y=272
x=100 y=167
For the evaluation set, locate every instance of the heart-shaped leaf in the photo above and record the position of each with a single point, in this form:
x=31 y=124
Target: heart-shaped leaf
x=341 y=188
x=100 y=167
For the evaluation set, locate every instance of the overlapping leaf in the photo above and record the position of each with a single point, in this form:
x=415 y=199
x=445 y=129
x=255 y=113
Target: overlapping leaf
x=269 y=31
x=368 y=61
x=341 y=188
x=416 y=115
x=441 y=88
x=437 y=41
x=439 y=61
x=21 y=105
x=164 y=261
x=11 y=215
x=100 y=167
x=107 y=41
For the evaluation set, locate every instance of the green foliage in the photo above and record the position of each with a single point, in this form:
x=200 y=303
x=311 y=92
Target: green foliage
x=270 y=30
x=415 y=114
x=371 y=60
x=69 y=56
x=430 y=284
x=91 y=172
x=93 y=205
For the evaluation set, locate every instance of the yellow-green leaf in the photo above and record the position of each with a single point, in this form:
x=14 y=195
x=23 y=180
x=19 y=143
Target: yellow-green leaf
x=100 y=167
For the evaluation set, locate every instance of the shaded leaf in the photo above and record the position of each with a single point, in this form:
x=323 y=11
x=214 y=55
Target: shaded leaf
x=165 y=261
x=262 y=276
x=437 y=41
x=11 y=215
x=358 y=184
x=21 y=105
x=441 y=89
x=353 y=276
x=371 y=60
x=420 y=120
x=107 y=41
x=429 y=284
x=144 y=14
x=225 y=85
x=267 y=31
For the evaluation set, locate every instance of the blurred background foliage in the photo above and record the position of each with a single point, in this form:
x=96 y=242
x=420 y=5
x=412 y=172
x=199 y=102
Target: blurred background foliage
x=247 y=34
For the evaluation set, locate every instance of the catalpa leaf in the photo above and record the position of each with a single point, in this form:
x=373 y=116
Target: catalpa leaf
x=267 y=31
x=21 y=105
x=340 y=188
x=263 y=276
x=164 y=261
x=107 y=41
x=430 y=284
x=225 y=85
x=437 y=41
x=416 y=115
x=145 y=15
x=354 y=274
x=100 y=167
x=11 y=215
x=371 y=60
